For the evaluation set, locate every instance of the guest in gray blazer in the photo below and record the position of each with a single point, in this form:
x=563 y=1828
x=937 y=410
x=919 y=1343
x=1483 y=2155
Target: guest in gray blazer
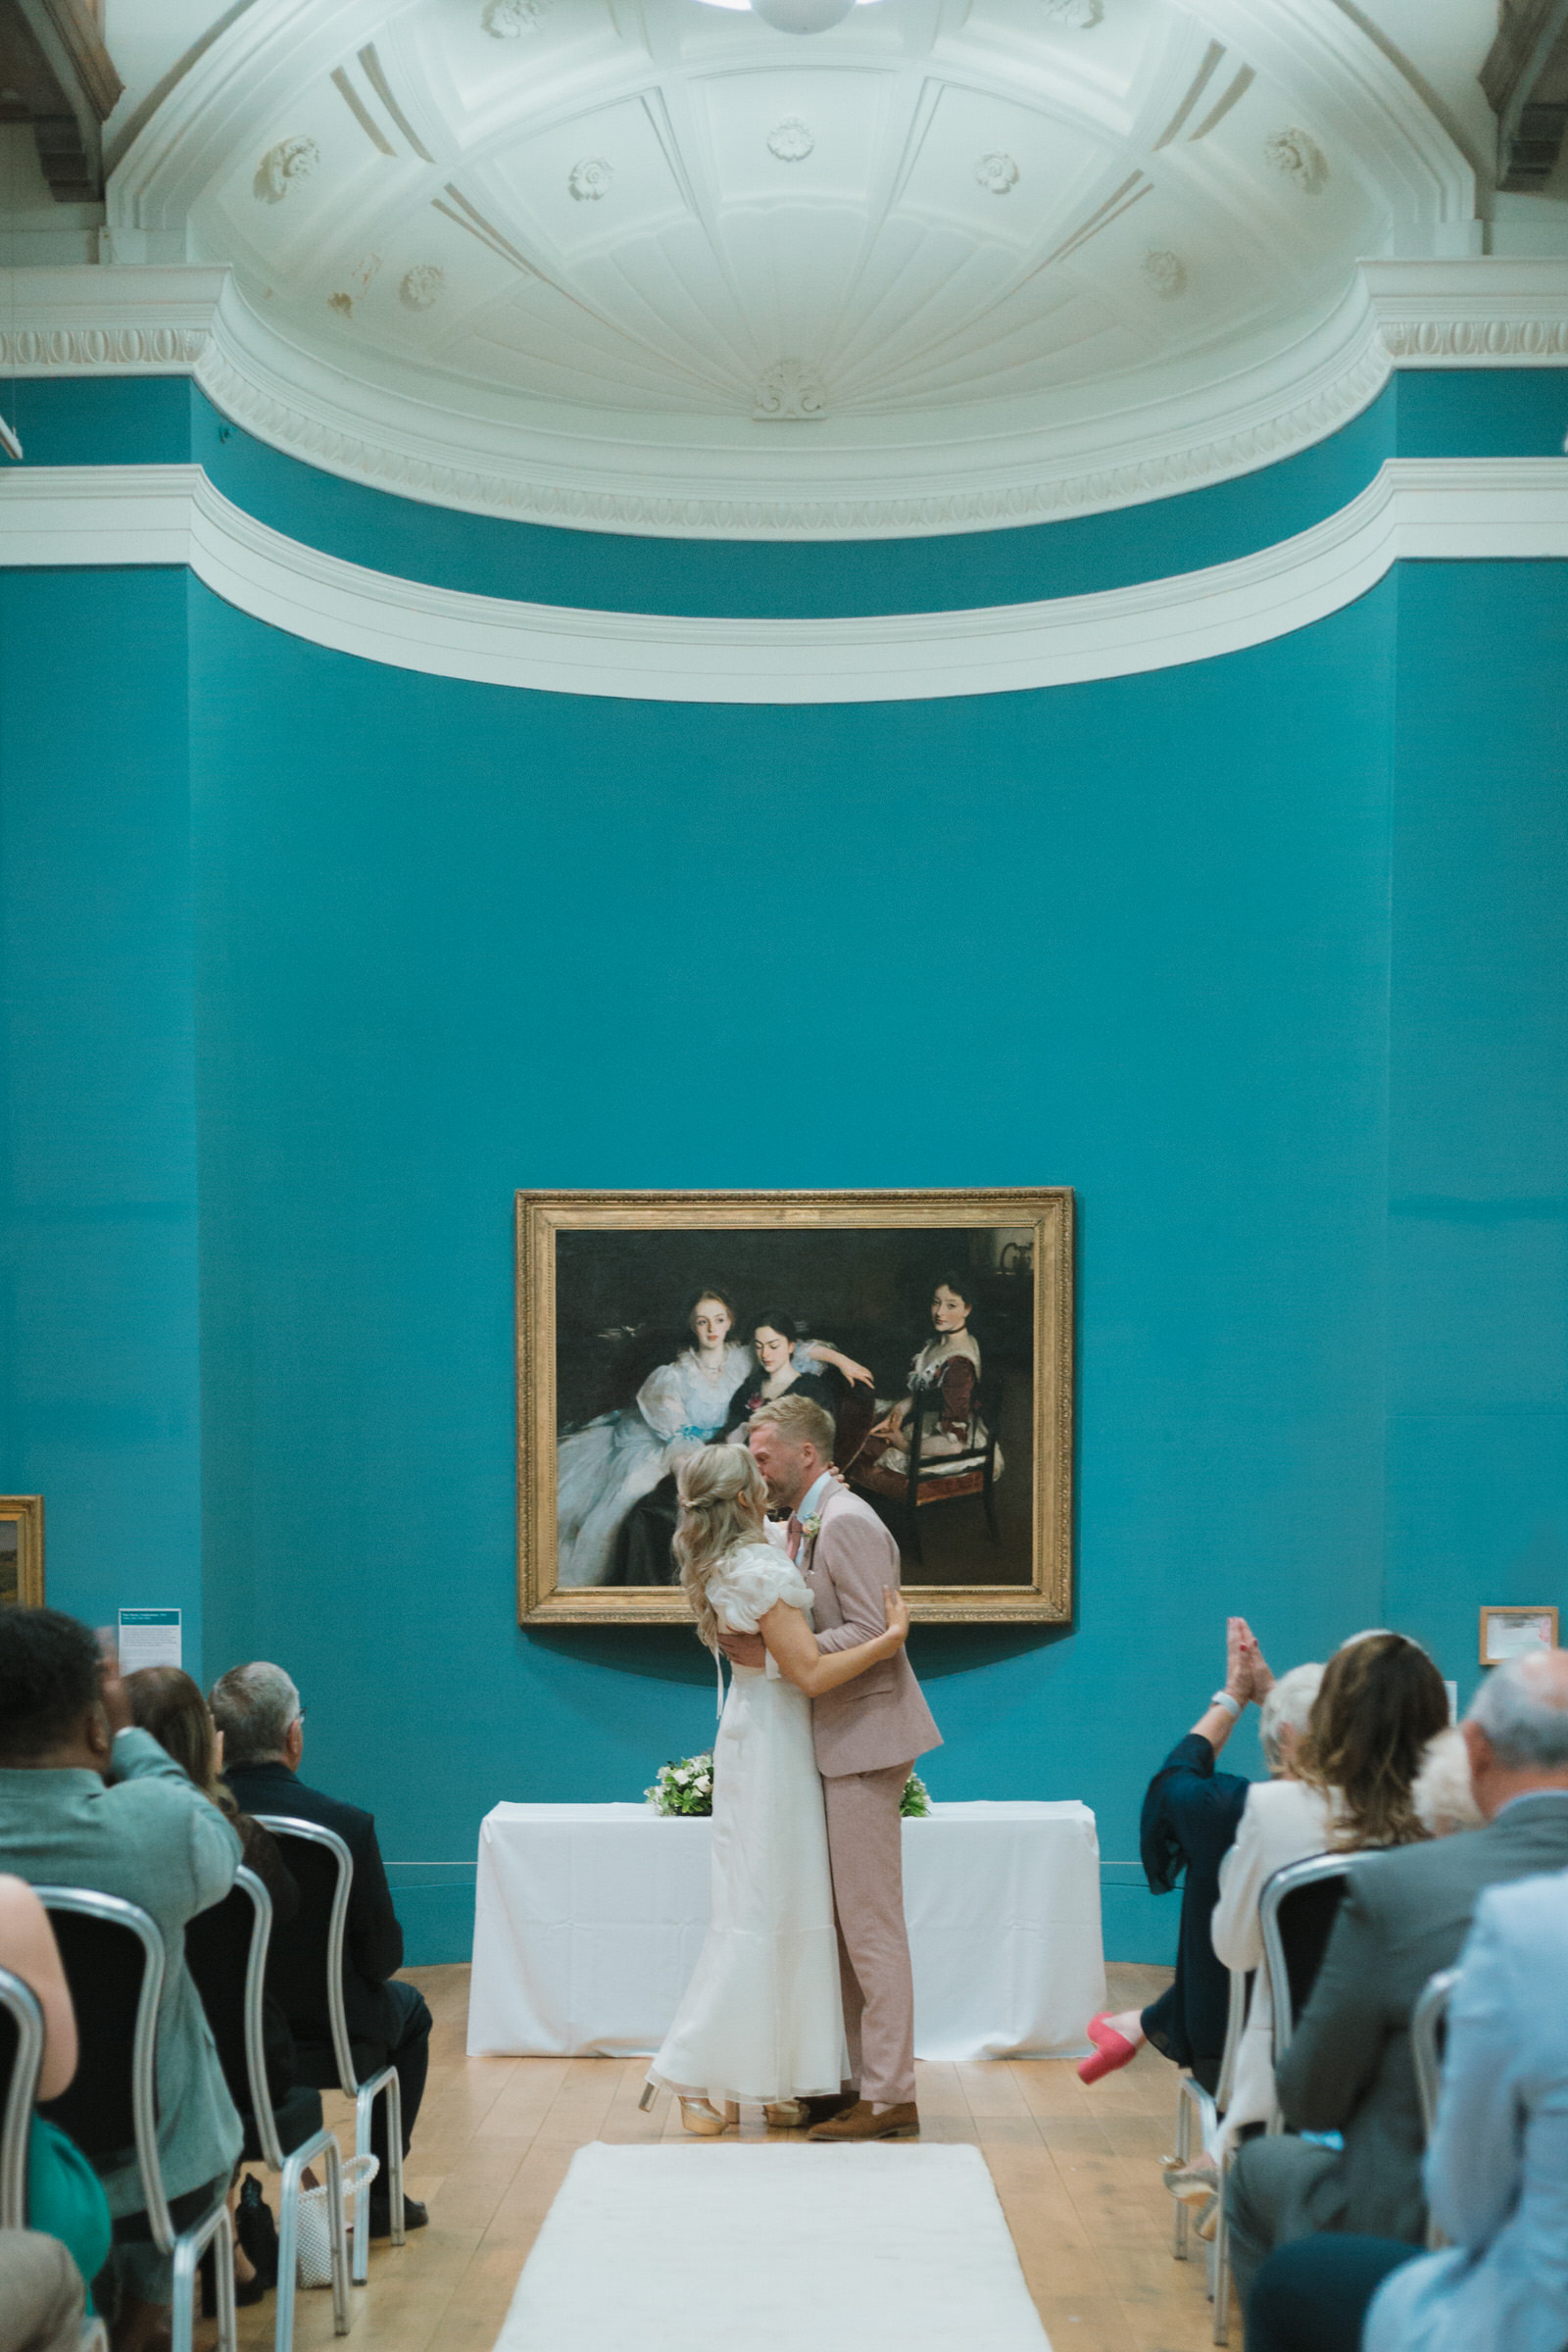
x=1348 y=2068
x=86 y=1800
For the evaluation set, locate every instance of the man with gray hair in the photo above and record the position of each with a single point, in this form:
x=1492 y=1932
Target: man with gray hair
x=257 y=1708
x=1406 y=1914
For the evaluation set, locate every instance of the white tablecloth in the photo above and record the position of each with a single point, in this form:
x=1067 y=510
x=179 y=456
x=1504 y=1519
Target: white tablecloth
x=589 y=1920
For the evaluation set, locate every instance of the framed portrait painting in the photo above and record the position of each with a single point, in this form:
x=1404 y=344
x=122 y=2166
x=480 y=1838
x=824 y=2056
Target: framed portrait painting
x=935 y=1328
x=21 y=1552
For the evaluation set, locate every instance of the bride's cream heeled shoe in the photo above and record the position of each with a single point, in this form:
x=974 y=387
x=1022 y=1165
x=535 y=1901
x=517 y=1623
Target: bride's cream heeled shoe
x=787 y=2115
x=704 y=2121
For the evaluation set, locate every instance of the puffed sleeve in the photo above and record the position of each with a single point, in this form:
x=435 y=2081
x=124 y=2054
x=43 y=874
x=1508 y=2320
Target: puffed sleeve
x=661 y=1401
x=752 y=1581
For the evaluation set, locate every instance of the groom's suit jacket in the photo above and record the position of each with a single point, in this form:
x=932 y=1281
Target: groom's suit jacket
x=881 y=1718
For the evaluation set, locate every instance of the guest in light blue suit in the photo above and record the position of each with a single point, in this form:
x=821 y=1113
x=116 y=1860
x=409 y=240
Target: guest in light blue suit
x=1496 y=2173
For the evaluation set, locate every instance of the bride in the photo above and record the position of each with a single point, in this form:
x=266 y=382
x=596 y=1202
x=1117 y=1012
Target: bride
x=761 y=2020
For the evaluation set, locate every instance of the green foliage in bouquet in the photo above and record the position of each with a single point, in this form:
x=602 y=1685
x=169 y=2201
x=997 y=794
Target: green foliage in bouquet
x=683 y=1788
x=686 y=1788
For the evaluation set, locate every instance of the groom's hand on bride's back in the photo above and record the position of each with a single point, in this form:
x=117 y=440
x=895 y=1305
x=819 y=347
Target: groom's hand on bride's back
x=742 y=1650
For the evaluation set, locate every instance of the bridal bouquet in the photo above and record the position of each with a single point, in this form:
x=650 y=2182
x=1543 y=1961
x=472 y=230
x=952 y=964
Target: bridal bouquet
x=687 y=1787
x=683 y=1788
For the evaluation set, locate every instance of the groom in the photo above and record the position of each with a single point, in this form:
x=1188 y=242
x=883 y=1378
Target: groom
x=869 y=1733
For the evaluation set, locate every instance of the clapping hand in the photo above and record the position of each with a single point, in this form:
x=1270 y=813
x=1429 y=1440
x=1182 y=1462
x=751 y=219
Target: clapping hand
x=1260 y=1679
x=111 y=1690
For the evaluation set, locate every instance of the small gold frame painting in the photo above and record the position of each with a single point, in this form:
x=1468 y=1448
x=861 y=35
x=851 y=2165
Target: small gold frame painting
x=21 y=1552
x=1517 y=1633
x=936 y=1327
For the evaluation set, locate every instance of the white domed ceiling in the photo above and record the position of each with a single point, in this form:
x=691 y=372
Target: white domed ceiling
x=649 y=263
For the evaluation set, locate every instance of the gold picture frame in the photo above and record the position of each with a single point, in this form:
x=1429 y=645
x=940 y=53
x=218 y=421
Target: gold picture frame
x=573 y=1249
x=21 y=1552
x=1515 y=1630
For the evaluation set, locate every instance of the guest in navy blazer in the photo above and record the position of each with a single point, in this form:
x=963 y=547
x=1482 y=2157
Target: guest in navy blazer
x=257 y=1708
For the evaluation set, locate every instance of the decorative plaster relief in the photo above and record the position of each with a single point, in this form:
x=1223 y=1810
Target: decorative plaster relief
x=789 y=392
x=290 y=160
x=1476 y=338
x=509 y=19
x=1082 y=14
x=790 y=140
x=589 y=179
x=73 y=350
x=1300 y=159
x=1166 y=272
x=423 y=286
x=998 y=172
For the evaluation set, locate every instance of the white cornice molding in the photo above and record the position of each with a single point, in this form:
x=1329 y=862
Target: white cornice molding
x=159 y=319
x=1419 y=509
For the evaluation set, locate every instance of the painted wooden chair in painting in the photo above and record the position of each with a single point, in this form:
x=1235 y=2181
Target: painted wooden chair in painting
x=948 y=1478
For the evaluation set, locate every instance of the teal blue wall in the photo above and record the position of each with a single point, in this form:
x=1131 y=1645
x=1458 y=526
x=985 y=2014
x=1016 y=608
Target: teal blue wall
x=1263 y=956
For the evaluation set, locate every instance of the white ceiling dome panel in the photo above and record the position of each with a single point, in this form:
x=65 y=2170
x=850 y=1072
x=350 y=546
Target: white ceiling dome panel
x=939 y=245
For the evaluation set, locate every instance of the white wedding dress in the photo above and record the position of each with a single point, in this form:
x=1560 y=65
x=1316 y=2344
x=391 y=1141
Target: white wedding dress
x=762 y=2019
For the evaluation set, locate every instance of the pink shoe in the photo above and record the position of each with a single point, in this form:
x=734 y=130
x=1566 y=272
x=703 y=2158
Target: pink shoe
x=1111 y=2050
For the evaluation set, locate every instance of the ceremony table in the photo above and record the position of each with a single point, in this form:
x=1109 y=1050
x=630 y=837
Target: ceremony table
x=589 y=1920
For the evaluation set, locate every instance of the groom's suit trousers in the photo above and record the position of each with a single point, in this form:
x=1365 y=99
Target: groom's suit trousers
x=865 y=1848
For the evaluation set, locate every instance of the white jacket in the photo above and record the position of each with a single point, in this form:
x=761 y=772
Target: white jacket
x=1282 y=1821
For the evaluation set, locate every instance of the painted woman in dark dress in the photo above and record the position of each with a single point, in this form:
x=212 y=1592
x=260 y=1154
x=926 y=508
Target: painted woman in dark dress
x=785 y=1364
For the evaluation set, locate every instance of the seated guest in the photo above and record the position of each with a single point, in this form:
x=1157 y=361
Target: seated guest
x=164 y=1702
x=1344 y=1783
x=89 y=1800
x=257 y=1711
x=1442 y=1796
x=1496 y=2173
x=64 y=2195
x=1348 y=2068
x=1189 y=1819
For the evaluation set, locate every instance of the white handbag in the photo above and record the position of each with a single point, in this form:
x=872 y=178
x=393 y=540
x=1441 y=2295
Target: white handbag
x=312 y=2257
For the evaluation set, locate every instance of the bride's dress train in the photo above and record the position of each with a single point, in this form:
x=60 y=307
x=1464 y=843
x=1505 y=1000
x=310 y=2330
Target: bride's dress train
x=761 y=2020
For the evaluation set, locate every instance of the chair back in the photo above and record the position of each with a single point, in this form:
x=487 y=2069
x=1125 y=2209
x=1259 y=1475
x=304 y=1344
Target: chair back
x=20 y=2058
x=226 y=1952
x=306 y=1972
x=113 y=1956
x=1429 y=2026
x=985 y=1412
x=1296 y=1912
x=1235 y=2026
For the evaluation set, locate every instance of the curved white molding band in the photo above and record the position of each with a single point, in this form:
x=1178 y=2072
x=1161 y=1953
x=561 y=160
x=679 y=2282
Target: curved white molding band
x=1420 y=508
x=163 y=319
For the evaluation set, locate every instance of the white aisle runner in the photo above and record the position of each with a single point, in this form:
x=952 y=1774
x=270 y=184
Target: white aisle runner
x=738 y=2248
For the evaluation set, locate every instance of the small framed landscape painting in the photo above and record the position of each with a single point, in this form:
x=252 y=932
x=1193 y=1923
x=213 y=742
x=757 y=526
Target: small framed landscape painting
x=21 y=1552
x=1517 y=1633
x=933 y=1327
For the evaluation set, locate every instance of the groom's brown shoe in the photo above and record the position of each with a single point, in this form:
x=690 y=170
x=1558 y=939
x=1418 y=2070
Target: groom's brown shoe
x=828 y=2104
x=862 y=2122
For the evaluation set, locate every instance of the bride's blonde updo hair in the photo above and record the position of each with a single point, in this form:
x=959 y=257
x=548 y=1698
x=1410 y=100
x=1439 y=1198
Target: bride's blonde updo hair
x=722 y=1498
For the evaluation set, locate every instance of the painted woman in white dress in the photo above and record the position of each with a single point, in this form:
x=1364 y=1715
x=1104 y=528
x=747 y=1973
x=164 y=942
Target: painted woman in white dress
x=761 y=2020
x=602 y=1470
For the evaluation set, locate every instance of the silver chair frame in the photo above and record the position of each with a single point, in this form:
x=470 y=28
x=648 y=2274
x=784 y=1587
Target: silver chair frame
x=363 y=2094
x=1191 y=2099
x=322 y=2144
x=18 y=1999
x=1426 y=2022
x=1283 y=1883
x=187 y=2246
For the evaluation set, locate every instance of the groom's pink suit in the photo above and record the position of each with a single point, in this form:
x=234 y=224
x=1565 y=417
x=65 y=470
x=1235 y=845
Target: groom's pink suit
x=868 y=1733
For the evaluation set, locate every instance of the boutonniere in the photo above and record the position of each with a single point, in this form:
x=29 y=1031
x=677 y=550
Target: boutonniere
x=811 y=1528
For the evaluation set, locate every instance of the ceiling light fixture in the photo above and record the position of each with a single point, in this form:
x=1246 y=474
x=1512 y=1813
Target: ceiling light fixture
x=797 y=15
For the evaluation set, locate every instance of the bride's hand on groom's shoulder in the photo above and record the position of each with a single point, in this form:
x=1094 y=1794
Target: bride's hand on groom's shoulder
x=895 y=1609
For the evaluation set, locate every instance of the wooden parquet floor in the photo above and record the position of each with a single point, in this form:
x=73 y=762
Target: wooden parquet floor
x=1076 y=2170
